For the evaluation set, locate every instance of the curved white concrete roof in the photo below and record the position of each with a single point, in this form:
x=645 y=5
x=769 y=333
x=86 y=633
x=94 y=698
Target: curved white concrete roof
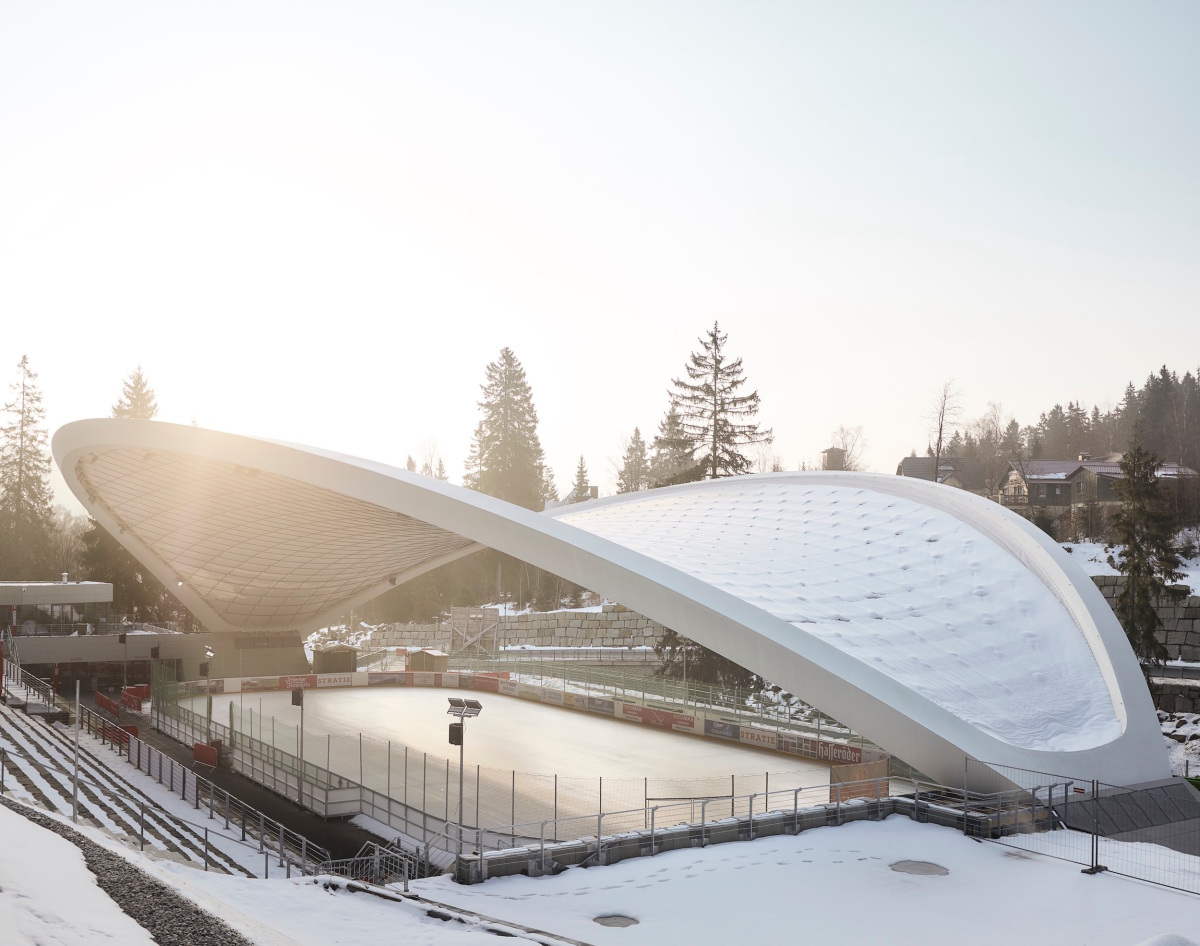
x=937 y=623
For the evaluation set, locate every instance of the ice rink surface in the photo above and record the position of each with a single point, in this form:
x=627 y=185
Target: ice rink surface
x=510 y=733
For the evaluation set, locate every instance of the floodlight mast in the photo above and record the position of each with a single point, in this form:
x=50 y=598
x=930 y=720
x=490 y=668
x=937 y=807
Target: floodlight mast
x=463 y=710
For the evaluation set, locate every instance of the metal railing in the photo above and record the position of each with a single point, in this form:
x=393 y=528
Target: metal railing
x=647 y=689
x=292 y=849
x=378 y=864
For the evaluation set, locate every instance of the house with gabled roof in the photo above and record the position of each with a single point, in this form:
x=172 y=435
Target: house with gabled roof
x=959 y=472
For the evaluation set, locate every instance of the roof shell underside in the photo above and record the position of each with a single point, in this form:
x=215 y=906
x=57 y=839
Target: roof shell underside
x=263 y=551
x=907 y=589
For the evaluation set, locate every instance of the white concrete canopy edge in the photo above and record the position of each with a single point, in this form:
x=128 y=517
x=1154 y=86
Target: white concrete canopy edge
x=871 y=702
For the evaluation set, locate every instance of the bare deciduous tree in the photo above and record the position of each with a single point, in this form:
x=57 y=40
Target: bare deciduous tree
x=943 y=419
x=852 y=443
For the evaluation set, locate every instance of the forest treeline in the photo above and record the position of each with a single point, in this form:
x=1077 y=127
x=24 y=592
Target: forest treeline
x=708 y=429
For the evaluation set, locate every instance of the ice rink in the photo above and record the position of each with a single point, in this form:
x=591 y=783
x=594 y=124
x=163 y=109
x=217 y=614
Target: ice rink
x=511 y=733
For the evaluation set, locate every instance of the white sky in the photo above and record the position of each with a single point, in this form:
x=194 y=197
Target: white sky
x=319 y=222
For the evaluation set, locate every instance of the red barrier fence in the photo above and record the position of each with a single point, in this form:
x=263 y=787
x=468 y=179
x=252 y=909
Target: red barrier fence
x=108 y=705
x=131 y=700
x=204 y=754
x=119 y=734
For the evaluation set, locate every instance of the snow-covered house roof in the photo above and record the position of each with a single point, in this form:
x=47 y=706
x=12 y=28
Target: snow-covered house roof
x=933 y=621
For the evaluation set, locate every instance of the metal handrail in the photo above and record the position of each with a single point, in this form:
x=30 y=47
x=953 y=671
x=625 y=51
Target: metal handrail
x=294 y=849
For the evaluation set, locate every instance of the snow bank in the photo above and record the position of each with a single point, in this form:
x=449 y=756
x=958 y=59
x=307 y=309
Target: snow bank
x=1093 y=557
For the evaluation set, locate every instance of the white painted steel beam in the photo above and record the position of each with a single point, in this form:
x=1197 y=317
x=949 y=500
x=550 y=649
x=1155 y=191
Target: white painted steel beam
x=939 y=624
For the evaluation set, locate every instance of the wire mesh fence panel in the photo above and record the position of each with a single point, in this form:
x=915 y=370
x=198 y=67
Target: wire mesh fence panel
x=1151 y=833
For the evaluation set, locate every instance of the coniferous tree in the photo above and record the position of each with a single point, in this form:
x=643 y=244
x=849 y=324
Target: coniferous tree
x=718 y=419
x=635 y=466
x=580 y=490
x=674 y=458
x=1149 y=558
x=506 y=455
x=137 y=398
x=549 y=487
x=441 y=473
x=679 y=658
x=26 y=514
x=410 y=464
x=137 y=594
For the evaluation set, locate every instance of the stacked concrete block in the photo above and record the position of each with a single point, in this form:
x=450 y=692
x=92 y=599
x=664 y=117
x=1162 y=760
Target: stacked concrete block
x=611 y=626
x=1180 y=632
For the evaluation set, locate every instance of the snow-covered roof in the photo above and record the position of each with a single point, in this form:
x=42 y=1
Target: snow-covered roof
x=934 y=621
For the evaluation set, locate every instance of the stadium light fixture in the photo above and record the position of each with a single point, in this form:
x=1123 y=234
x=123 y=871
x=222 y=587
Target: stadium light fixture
x=461 y=709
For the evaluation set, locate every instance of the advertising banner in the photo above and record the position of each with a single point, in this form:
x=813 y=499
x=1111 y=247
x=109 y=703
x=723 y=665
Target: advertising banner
x=299 y=682
x=554 y=697
x=487 y=684
x=861 y=780
x=423 y=678
x=569 y=700
x=756 y=737
x=722 y=730
x=334 y=679
x=259 y=684
x=386 y=678
x=451 y=680
x=597 y=705
x=508 y=687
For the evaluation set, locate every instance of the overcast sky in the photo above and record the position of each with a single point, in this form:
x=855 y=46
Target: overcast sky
x=319 y=222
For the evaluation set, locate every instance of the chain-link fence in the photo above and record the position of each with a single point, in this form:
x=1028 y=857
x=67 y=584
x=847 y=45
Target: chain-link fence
x=1149 y=832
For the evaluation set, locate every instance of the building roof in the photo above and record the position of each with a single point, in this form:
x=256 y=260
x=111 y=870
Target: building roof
x=968 y=471
x=934 y=621
x=1041 y=471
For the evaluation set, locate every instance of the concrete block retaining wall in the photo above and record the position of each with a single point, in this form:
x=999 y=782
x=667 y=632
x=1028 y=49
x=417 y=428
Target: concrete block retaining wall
x=1176 y=696
x=1180 y=632
x=612 y=626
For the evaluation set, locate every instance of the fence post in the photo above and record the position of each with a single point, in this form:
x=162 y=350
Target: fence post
x=703 y=816
x=796 y=811
x=281 y=844
x=206 y=849
x=142 y=823
x=653 y=815
x=750 y=816
x=262 y=832
x=966 y=762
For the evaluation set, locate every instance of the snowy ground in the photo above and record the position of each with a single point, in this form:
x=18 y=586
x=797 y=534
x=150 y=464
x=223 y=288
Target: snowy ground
x=1093 y=558
x=833 y=885
x=1182 y=731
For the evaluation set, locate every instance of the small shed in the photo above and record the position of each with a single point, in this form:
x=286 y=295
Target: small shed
x=335 y=658
x=429 y=661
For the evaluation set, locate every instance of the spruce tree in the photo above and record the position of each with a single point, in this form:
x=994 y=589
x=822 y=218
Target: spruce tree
x=137 y=593
x=635 y=466
x=1149 y=558
x=580 y=490
x=410 y=464
x=718 y=419
x=506 y=455
x=137 y=398
x=674 y=458
x=680 y=658
x=26 y=513
x=549 y=487
x=441 y=473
